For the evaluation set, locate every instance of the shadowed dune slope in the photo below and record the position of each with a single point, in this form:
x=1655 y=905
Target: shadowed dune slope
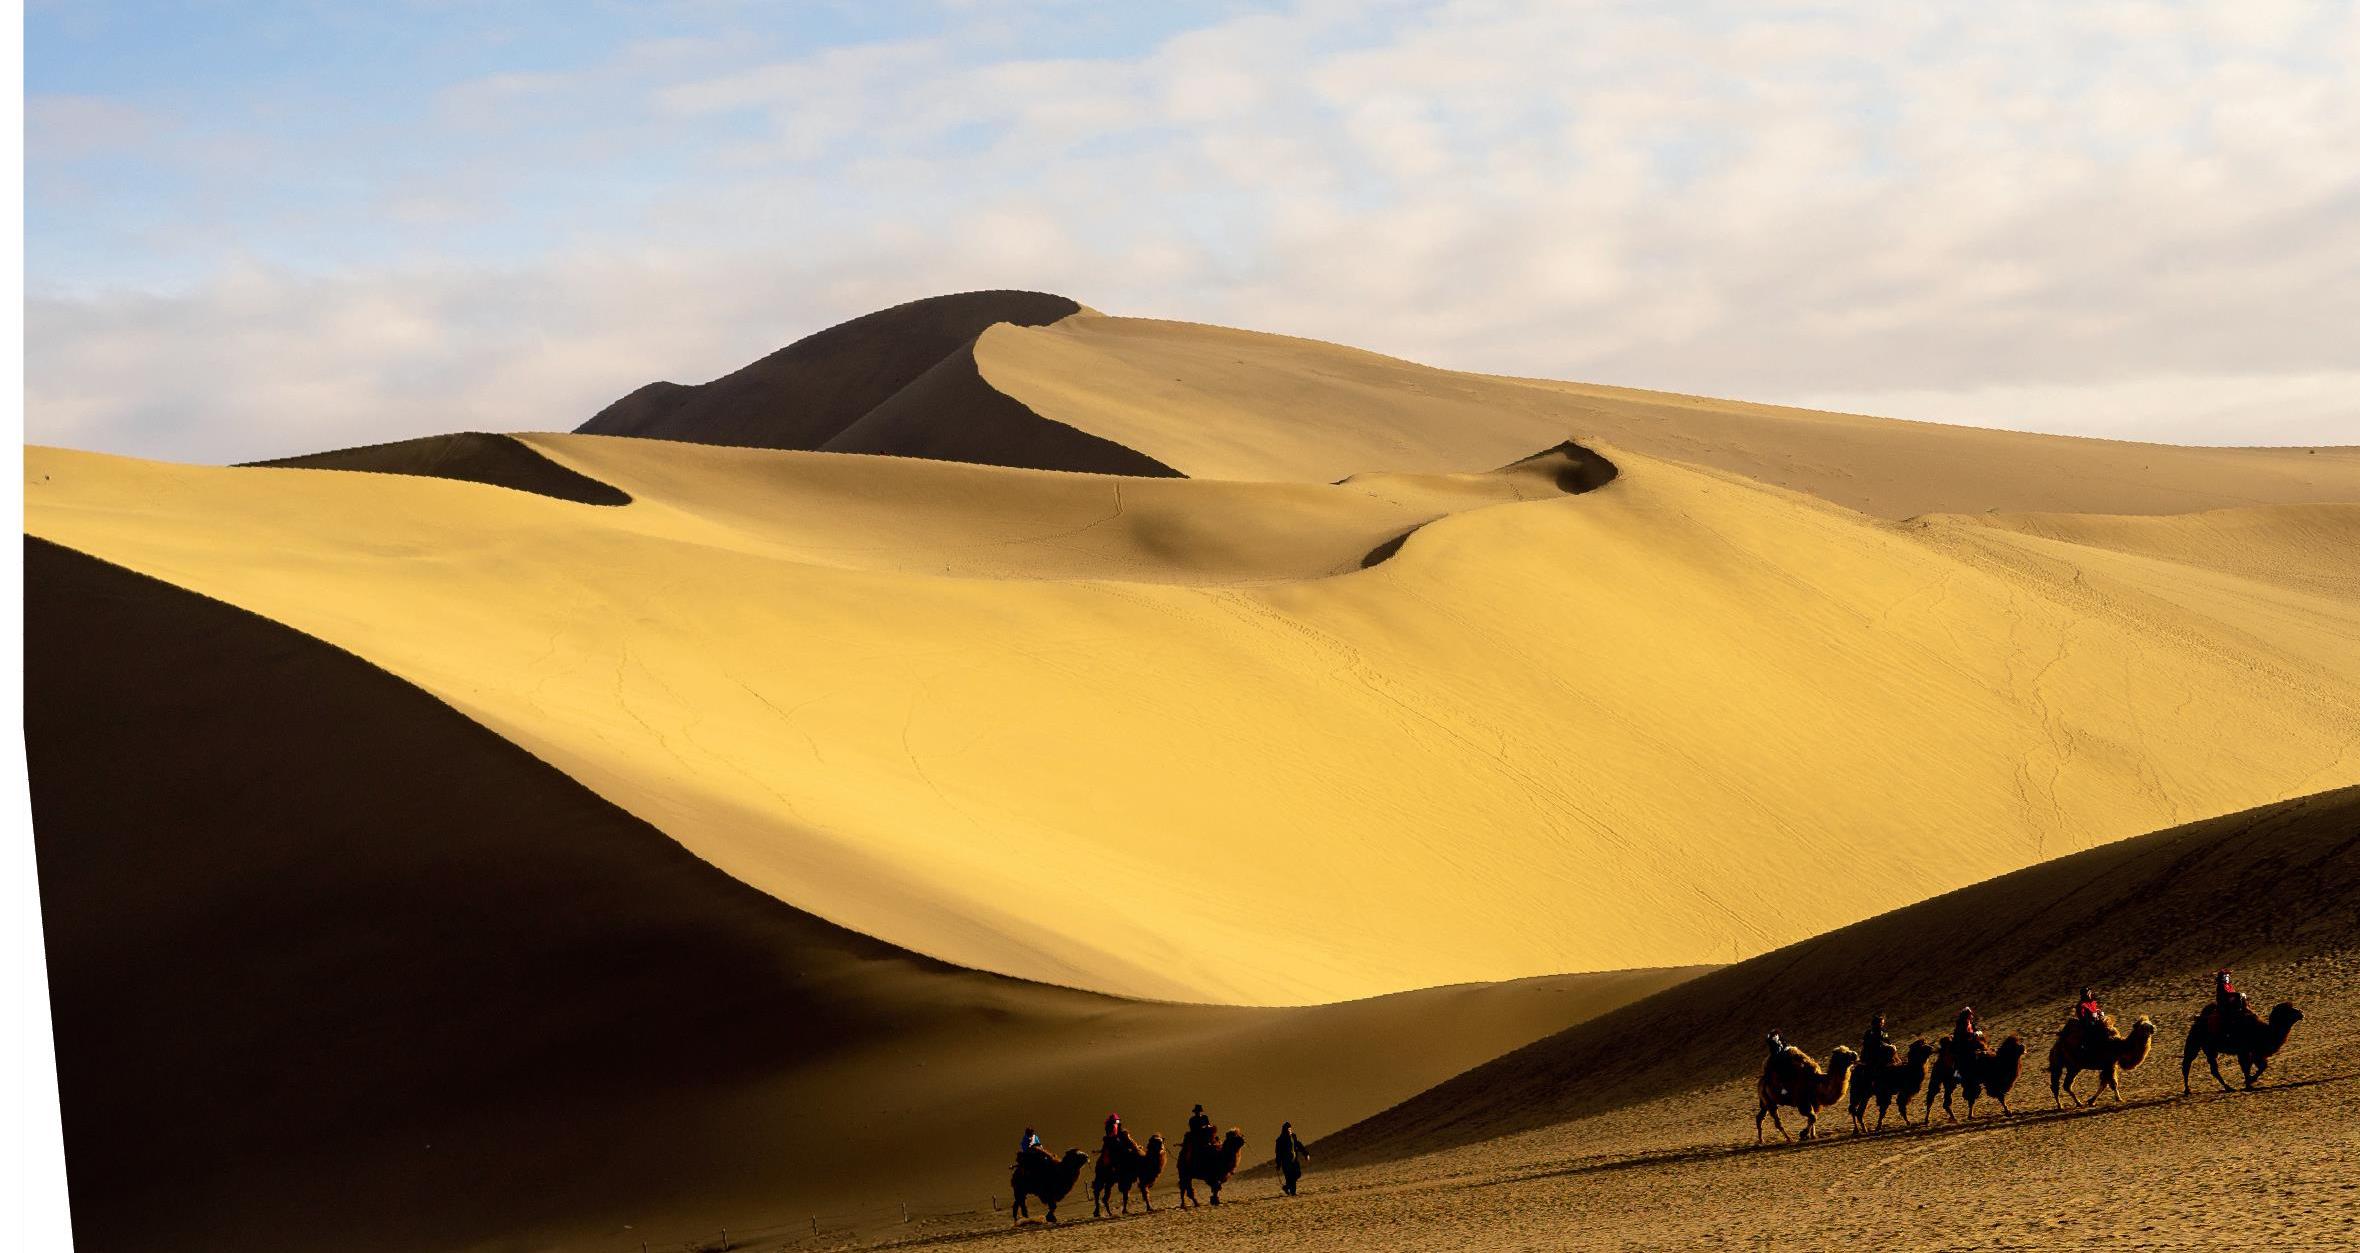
x=1551 y=731
x=808 y=392
x=334 y=966
x=2273 y=884
x=470 y=457
x=950 y=414
x=1212 y=402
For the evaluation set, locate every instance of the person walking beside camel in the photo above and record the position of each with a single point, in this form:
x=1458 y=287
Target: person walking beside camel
x=1290 y=1155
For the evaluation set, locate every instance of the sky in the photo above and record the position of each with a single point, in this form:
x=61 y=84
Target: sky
x=262 y=227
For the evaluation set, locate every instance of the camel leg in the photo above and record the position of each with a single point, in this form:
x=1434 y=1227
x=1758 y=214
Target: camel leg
x=1779 y=1123
x=2213 y=1060
x=1216 y=1193
x=1810 y=1123
x=2253 y=1073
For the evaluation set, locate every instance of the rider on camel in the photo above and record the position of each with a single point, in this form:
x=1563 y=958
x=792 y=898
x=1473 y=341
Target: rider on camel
x=1118 y=1143
x=2226 y=995
x=1200 y=1129
x=1876 y=1047
x=2087 y=1012
x=1967 y=1040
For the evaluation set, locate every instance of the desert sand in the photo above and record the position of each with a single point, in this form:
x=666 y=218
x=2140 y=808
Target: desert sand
x=1634 y=1130
x=327 y=957
x=992 y=712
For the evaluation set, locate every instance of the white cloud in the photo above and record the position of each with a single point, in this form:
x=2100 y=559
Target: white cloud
x=2134 y=219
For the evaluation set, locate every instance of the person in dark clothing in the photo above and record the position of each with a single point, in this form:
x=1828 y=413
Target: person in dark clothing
x=1967 y=1040
x=1772 y=1069
x=1291 y=1155
x=1876 y=1047
x=1200 y=1129
x=1117 y=1143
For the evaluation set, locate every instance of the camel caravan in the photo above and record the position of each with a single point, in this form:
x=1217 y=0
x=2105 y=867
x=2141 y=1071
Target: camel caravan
x=1965 y=1062
x=1124 y=1164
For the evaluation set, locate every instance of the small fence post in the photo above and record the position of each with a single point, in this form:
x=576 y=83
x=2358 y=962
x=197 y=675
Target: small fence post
x=905 y=1211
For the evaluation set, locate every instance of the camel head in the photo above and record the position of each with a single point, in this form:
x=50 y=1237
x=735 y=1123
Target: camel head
x=2283 y=1016
x=1072 y=1163
x=2011 y=1049
x=1919 y=1051
x=2133 y=1049
x=1233 y=1143
x=1155 y=1144
x=1844 y=1058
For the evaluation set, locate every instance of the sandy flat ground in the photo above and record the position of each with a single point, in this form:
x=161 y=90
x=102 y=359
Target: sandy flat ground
x=2278 y=1167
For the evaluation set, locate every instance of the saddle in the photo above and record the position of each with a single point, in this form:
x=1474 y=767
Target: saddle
x=2083 y=1037
x=2233 y=1024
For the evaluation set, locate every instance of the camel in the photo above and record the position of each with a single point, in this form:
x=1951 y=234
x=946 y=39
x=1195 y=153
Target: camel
x=1036 y=1174
x=1889 y=1085
x=1807 y=1088
x=2105 y=1050
x=1988 y=1072
x=1209 y=1165
x=2253 y=1041
x=1133 y=1167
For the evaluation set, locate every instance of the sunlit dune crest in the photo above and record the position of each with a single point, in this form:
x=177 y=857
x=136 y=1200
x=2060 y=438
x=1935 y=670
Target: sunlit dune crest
x=1418 y=678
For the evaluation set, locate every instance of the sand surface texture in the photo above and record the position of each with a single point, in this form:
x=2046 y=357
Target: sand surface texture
x=1635 y=1130
x=1571 y=722
x=991 y=712
x=332 y=964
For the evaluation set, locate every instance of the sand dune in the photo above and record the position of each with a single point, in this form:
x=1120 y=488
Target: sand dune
x=1634 y=1130
x=469 y=457
x=332 y=965
x=2151 y=916
x=495 y=840
x=1551 y=732
x=808 y=392
x=1213 y=402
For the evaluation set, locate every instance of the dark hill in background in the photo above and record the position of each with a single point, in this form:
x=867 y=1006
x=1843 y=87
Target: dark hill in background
x=901 y=381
